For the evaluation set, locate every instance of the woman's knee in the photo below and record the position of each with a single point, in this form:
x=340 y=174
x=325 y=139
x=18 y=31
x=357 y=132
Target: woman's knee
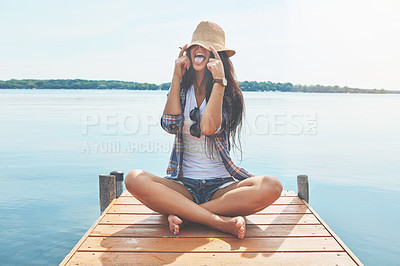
x=270 y=188
x=134 y=180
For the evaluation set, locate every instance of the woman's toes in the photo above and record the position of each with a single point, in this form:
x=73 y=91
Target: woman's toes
x=174 y=222
x=241 y=227
x=176 y=231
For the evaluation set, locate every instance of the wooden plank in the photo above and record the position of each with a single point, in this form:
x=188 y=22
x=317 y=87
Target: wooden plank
x=273 y=209
x=288 y=193
x=130 y=258
x=285 y=193
x=251 y=219
x=196 y=230
x=127 y=200
x=134 y=219
x=340 y=242
x=126 y=193
x=210 y=244
x=78 y=245
x=281 y=200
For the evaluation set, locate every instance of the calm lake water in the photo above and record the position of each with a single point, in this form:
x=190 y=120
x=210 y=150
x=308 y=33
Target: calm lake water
x=55 y=143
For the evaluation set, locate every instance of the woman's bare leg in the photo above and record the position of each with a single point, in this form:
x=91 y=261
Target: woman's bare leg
x=159 y=194
x=259 y=192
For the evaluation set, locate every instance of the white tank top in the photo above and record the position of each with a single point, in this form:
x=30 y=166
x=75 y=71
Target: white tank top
x=196 y=164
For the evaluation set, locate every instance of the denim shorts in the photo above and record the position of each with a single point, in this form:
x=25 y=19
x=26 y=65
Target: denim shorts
x=203 y=189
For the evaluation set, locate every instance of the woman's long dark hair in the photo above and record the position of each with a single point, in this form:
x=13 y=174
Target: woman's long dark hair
x=233 y=100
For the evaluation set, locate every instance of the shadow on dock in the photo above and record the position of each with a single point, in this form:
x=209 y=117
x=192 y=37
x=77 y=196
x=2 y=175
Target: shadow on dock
x=139 y=235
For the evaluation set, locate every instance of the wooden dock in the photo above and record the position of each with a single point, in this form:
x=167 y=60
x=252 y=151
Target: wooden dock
x=289 y=232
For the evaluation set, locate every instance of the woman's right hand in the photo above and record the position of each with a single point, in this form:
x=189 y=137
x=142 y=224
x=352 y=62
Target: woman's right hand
x=182 y=64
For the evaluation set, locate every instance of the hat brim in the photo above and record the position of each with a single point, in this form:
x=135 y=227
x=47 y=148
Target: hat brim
x=219 y=48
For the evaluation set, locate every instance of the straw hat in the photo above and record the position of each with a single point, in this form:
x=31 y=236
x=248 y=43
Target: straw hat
x=208 y=33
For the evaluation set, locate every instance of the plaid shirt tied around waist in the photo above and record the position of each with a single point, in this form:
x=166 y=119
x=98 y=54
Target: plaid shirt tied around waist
x=173 y=124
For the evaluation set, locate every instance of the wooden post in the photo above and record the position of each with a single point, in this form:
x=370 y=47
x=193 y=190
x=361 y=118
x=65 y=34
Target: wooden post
x=107 y=190
x=119 y=177
x=302 y=187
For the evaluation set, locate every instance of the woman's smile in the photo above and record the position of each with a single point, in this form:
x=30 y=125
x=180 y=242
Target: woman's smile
x=199 y=57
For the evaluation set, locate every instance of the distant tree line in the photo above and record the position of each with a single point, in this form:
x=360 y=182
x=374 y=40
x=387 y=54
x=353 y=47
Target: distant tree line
x=271 y=86
x=126 y=85
x=76 y=84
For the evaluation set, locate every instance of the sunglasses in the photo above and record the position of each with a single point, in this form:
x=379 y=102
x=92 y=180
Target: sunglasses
x=195 y=128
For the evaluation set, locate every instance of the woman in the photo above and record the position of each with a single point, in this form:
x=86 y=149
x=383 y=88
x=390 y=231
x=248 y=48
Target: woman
x=204 y=110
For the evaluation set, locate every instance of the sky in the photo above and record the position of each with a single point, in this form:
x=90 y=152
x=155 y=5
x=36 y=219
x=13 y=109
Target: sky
x=352 y=43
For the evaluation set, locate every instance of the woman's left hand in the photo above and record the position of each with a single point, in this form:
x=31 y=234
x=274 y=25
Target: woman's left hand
x=215 y=65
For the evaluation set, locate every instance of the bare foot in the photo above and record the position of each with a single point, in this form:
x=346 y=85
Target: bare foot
x=175 y=223
x=233 y=225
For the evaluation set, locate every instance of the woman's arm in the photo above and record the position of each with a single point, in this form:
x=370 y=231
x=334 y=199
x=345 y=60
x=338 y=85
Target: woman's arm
x=172 y=118
x=173 y=106
x=212 y=116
